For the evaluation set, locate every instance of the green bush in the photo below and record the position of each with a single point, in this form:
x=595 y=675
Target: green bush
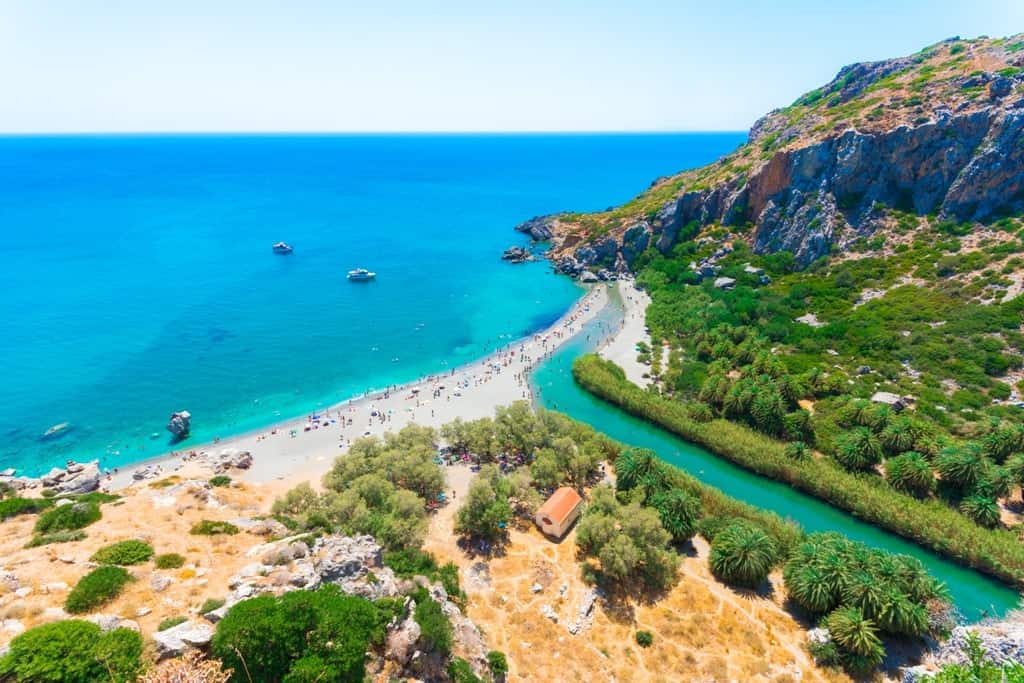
x=56 y=537
x=743 y=554
x=96 y=588
x=459 y=671
x=73 y=651
x=220 y=480
x=644 y=638
x=124 y=553
x=169 y=561
x=435 y=629
x=210 y=527
x=211 y=604
x=410 y=562
x=11 y=507
x=497 y=662
x=449 y=576
x=69 y=517
x=316 y=635
x=171 y=622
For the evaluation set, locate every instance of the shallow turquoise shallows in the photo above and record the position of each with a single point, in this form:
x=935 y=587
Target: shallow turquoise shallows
x=138 y=277
x=975 y=595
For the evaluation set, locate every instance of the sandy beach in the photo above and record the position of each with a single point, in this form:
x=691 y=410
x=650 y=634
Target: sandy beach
x=621 y=347
x=304 y=448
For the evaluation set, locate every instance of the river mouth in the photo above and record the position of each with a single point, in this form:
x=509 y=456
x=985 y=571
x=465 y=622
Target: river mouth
x=975 y=595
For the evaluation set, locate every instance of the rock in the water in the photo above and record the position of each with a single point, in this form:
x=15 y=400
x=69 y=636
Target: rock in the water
x=180 y=424
x=175 y=640
x=538 y=228
x=517 y=255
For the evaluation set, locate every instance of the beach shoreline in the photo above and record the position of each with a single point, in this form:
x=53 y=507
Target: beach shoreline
x=303 y=448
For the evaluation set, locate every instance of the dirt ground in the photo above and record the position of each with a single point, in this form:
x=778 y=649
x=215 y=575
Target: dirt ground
x=159 y=514
x=703 y=630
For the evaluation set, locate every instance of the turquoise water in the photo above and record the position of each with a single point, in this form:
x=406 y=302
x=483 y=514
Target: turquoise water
x=975 y=595
x=138 y=277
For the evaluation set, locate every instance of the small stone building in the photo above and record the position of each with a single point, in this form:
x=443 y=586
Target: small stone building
x=558 y=512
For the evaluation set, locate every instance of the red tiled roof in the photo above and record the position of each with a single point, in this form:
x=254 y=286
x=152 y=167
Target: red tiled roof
x=560 y=505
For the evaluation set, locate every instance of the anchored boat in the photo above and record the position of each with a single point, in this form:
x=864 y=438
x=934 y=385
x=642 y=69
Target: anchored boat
x=282 y=248
x=360 y=275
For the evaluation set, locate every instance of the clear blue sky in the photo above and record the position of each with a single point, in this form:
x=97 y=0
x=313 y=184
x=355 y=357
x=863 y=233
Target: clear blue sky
x=209 y=65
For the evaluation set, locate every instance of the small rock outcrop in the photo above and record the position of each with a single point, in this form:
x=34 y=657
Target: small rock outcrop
x=517 y=255
x=174 y=641
x=76 y=478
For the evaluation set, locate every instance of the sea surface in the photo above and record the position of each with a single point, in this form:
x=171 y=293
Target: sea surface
x=138 y=277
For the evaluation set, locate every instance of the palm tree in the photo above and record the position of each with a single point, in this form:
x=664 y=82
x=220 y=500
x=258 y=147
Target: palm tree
x=856 y=635
x=982 y=509
x=635 y=466
x=811 y=588
x=963 y=467
x=1015 y=466
x=679 y=513
x=910 y=473
x=901 y=434
x=899 y=616
x=742 y=554
x=858 y=449
x=863 y=591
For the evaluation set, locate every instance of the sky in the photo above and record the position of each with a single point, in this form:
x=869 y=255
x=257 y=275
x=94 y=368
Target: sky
x=414 y=65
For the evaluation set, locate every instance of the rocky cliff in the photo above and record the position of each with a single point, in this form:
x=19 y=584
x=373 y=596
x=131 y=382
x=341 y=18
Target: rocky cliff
x=938 y=132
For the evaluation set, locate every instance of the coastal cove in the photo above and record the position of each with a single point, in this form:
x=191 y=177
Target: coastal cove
x=161 y=291
x=975 y=595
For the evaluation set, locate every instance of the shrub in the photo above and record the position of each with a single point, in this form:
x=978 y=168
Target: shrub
x=68 y=517
x=435 y=629
x=317 y=635
x=220 y=480
x=497 y=662
x=743 y=554
x=211 y=604
x=210 y=527
x=73 y=651
x=459 y=671
x=96 y=588
x=449 y=576
x=644 y=638
x=171 y=622
x=169 y=561
x=124 y=553
x=11 y=507
x=410 y=562
x=56 y=537
x=192 y=667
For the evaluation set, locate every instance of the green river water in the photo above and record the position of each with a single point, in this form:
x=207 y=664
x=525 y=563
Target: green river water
x=976 y=595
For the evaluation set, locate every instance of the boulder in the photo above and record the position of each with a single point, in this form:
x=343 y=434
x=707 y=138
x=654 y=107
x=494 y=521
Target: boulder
x=159 y=582
x=1000 y=87
x=539 y=228
x=516 y=255
x=180 y=424
x=588 y=276
x=78 y=478
x=177 y=639
x=355 y=564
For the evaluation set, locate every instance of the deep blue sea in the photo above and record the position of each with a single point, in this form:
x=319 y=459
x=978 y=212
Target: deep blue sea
x=138 y=277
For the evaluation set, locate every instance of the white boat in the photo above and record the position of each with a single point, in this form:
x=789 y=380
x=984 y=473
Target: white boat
x=282 y=248
x=361 y=275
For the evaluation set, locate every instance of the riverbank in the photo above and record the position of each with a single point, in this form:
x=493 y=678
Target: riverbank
x=929 y=524
x=304 y=448
x=620 y=348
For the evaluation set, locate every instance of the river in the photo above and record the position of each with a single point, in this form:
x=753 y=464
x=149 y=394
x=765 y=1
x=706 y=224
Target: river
x=975 y=595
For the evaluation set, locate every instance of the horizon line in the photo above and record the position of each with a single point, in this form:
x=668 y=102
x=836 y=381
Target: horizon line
x=169 y=133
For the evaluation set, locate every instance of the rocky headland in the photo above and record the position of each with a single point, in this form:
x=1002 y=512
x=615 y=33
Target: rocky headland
x=939 y=132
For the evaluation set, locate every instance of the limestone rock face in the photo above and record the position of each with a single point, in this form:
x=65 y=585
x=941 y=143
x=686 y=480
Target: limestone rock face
x=355 y=563
x=817 y=176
